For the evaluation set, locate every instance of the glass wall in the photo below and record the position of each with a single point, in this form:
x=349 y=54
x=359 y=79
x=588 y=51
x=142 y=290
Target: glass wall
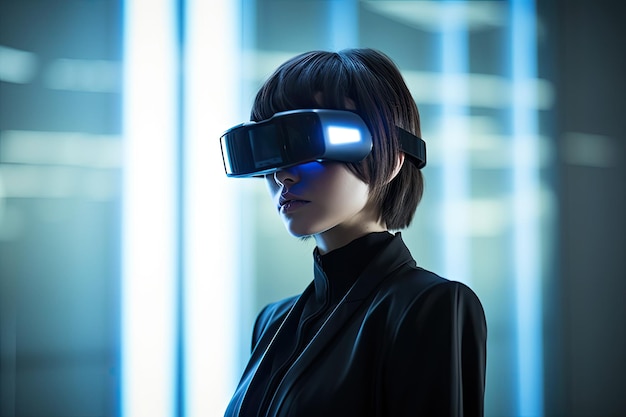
x=60 y=173
x=123 y=247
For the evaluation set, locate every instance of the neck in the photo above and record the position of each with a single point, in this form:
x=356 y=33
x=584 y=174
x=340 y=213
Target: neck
x=338 y=236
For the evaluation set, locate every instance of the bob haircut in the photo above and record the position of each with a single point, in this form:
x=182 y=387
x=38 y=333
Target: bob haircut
x=370 y=81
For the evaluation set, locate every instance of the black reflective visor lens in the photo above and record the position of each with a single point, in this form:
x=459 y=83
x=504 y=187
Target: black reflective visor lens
x=274 y=143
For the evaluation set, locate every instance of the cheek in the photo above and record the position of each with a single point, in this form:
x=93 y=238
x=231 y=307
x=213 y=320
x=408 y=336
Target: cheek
x=350 y=194
x=354 y=187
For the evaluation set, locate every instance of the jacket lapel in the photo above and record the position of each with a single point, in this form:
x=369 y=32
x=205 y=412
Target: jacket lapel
x=251 y=380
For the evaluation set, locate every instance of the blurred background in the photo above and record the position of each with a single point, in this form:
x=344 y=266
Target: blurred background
x=131 y=270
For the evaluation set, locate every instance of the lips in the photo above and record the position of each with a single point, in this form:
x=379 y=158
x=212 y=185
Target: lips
x=289 y=202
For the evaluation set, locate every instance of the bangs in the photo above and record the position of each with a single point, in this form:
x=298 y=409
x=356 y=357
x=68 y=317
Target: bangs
x=297 y=84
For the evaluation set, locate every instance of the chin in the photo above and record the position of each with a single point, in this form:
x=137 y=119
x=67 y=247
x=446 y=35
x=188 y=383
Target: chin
x=303 y=231
x=299 y=233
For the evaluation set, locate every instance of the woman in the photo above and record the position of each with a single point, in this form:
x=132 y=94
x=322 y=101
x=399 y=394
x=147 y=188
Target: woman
x=373 y=334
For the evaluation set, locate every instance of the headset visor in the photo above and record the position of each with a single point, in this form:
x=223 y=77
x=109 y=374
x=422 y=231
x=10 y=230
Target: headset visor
x=299 y=136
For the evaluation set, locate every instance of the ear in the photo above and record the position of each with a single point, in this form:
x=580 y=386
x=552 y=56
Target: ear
x=398 y=167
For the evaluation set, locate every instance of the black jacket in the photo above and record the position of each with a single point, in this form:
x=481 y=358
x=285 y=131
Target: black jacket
x=401 y=341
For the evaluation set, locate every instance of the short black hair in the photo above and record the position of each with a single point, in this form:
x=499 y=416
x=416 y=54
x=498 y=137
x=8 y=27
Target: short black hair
x=371 y=80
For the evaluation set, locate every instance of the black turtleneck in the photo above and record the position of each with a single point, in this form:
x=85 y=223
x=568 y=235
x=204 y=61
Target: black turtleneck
x=335 y=273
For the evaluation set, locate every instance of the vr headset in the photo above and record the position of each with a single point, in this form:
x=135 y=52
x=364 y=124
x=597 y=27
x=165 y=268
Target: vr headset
x=299 y=136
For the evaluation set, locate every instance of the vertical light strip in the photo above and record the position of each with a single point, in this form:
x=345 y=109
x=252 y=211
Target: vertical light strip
x=149 y=214
x=343 y=24
x=526 y=210
x=455 y=137
x=213 y=84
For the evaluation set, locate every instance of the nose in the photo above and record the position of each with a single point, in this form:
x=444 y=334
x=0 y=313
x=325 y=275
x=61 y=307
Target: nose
x=286 y=176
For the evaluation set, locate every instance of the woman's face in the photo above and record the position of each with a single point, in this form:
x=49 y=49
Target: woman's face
x=325 y=200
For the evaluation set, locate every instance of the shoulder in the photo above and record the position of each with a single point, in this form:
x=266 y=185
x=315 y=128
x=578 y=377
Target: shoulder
x=414 y=295
x=403 y=278
x=410 y=282
x=436 y=286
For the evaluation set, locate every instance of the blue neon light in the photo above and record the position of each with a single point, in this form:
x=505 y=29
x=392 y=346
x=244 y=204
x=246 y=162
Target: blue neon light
x=149 y=212
x=526 y=186
x=454 y=69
